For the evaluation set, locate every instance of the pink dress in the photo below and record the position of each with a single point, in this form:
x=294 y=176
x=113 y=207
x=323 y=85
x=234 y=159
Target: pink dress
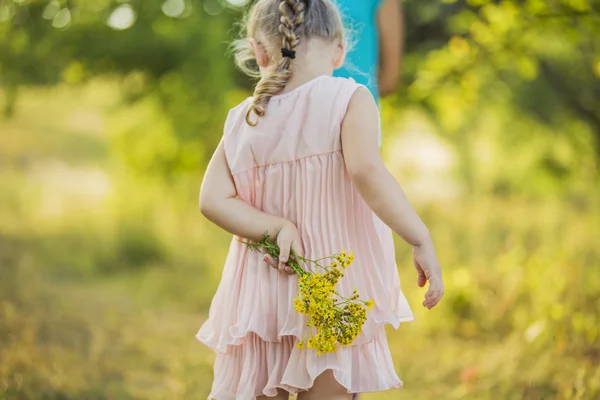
x=291 y=165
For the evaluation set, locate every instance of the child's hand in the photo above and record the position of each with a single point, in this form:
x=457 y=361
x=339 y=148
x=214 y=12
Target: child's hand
x=428 y=269
x=288 y=240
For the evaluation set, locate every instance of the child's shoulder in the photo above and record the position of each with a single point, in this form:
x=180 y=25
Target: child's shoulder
x=237 y=114
x=342 y=89
x=337 y=83
x=241 y=108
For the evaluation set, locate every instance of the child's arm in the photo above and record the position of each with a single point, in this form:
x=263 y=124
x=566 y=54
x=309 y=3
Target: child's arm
x=220 y=204
x=383 y=194
x=390 y=24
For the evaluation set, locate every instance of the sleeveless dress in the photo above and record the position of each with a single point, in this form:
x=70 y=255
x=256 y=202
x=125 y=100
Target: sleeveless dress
x=291 y=165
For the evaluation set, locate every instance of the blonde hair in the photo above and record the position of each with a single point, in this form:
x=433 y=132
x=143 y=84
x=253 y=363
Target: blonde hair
x=285 y=22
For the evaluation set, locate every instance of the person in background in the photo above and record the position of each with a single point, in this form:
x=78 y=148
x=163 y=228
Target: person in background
x=375 y=58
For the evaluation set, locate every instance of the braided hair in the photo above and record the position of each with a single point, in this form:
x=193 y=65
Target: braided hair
x=283 y=23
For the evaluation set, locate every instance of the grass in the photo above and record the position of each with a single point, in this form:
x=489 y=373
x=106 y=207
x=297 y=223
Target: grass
x=104 y=285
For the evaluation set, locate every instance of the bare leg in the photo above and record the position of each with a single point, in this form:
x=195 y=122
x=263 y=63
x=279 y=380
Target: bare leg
x=281 y=395
x=326 y=388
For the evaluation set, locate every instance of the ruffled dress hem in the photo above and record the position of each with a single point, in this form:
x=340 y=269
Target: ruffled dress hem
x=272 y=390
x=235 y=340
x=258 y=368
x=360 y=368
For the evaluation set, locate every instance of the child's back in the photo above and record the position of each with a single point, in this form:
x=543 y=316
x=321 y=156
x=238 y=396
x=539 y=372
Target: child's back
x=291 y=165
x=300 y=161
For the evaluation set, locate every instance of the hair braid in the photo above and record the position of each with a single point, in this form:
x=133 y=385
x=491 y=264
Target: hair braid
x=291 y=18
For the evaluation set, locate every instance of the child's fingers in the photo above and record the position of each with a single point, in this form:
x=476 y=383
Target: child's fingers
x=275 y=264
x=271 y=261
x=433 y=296
x=430 y=300
x=284 y=252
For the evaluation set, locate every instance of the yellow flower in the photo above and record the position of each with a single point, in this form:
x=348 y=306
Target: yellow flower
x=300 y=305
x=334 y=320
x=370 y=303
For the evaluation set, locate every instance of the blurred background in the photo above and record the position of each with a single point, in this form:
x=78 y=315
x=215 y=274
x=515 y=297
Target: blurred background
x=110 y=110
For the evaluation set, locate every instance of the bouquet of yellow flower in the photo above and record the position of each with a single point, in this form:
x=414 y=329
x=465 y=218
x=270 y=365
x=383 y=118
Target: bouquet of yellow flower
x=338 y=320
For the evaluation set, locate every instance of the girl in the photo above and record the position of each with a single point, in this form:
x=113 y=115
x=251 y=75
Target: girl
x=300 y=161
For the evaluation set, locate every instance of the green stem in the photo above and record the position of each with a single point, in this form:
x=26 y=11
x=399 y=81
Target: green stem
x=342 y=297
x=343 y=302
x=308 y=260
x=274 y=251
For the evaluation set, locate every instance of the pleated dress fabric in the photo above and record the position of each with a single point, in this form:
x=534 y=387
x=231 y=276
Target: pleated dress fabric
x=292 y=165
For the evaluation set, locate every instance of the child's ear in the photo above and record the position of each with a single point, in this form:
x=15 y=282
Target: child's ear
x=262 y=58
x=339 y=55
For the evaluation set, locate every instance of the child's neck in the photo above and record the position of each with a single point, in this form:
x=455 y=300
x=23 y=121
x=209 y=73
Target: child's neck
x=309 y=66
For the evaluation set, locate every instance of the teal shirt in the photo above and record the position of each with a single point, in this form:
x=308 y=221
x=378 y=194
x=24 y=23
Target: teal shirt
x=362 y=60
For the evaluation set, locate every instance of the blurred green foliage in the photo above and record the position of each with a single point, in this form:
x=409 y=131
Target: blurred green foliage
x=178 y=64
x=112 y=108
x=514 y=74
x=526 y=66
